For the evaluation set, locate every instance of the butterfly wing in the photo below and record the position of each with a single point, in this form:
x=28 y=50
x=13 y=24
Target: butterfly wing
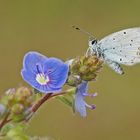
x=122 y=47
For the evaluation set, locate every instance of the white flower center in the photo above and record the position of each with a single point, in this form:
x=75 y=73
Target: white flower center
x=42 y=79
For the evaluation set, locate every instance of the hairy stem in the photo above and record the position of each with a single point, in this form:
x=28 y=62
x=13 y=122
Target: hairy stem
x=5 y=120
x=41 y=101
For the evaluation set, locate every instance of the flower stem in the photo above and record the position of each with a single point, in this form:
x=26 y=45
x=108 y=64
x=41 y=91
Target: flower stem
x=5 y=120
x=41 y=101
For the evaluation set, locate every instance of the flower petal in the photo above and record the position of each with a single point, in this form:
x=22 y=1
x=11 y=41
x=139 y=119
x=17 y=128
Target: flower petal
x=31 y=59
x=57 y=71
x=30 y=79
x=47 y=89
x=80 y=105
x=83 y=88
x=90 y=95
x=52 y=64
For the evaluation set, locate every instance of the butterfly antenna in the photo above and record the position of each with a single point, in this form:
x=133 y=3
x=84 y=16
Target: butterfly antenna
x=83 y=31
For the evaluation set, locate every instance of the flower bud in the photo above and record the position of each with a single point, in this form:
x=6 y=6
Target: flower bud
x=29 y=101
x=84 y=69
x=75 y=65
x=17 y=108
x=23 y=92
x=89 y=77
x=74 y=80
x=10 y=91
x=87 y=67
x=10 y=99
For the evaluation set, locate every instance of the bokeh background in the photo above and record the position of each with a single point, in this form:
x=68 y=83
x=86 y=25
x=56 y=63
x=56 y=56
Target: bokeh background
x=45 y=26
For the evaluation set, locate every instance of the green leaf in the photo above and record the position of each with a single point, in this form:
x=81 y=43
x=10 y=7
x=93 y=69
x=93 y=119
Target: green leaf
x=18 y=137
x=68 y=98
x=6 y=128
x=65 y=100
x=17 y=133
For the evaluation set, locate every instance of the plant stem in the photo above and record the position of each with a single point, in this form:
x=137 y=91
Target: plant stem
x=34 y=108
x=41 y=101
x=4 y=121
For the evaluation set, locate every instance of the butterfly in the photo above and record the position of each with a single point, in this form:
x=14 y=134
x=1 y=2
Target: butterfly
x=122 y=47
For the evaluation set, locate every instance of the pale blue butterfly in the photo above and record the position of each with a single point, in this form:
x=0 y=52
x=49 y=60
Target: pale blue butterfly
x=122 y=47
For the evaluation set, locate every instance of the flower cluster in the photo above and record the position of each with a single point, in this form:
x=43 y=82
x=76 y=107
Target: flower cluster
x=84 y=68
x=17 y=102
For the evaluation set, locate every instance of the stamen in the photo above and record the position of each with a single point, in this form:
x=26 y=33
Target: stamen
x=42 y=79
x=90 y=106
x=90 y=95
x=93 y=107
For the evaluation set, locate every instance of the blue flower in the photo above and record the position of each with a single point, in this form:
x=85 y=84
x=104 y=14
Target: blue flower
x=43 y=73
x=80 y=104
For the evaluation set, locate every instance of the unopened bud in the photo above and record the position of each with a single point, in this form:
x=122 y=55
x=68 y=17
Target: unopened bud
x=89 y=77
x=17 y=109
x=75 y=65
x=74 y=80
x=10 y=99
x=84 y=69
x=23 y=92
x=29 y=101
x=11 y=91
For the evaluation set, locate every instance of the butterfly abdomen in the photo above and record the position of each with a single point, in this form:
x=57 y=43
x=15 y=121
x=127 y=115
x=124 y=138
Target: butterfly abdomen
x=115 y=66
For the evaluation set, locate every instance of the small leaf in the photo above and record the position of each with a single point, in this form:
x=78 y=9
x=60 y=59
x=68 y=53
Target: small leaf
x=19 y=137
x=17 y=133
x=6 y=128
x=65 y=100
x=68 y=98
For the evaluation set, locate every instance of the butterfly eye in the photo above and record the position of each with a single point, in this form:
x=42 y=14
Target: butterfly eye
x=94 y=42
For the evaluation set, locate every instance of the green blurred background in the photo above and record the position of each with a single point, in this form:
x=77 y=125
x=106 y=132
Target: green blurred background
x=45 y=26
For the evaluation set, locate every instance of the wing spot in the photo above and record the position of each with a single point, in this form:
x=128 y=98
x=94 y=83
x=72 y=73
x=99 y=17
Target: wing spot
x=130 y=44
x=124 y=32
x=131 y=40
x=113 y=38
x=120 y=50
x=120 y=59
x=113 y=48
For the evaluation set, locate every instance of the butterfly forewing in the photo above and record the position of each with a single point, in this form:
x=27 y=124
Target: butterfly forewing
x=122 y=47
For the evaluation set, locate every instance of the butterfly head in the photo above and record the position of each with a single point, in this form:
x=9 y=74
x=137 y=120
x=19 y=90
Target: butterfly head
x=93 y=46
x=92 y=42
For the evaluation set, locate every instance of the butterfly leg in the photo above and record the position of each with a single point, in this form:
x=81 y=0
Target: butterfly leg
x=115 y=66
